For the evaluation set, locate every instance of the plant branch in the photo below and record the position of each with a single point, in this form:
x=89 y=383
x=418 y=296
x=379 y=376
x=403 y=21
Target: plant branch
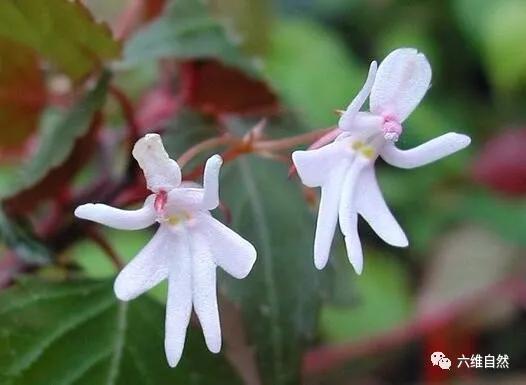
x=326 y=358
x=97 y=237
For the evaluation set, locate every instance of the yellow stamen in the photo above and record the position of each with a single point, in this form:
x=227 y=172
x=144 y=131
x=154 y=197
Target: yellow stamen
x=368 y=152
x=357 y=145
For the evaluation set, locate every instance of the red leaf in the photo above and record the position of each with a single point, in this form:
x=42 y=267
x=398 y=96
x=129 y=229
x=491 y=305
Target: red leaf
x=22 y=95
x=501 y=165
x=155 y=107
x=216 y=89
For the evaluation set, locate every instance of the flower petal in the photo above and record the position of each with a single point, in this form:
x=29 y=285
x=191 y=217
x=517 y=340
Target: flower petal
x=314 y=166
x=328 y=214
x=230 y=251
x=211 y=182
x=372 y=207
x=161 y=172
x=204 y=291
x=401 y=82
x=179 y=301
x=117 y=218
x=348 y=216
x=428 y=152
x=147 y=269
x=347 y=119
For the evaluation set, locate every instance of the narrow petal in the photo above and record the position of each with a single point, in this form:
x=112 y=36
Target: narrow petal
x=117 y=218
x=161 y=172
x=204 y=291
x=179 y=301
x=428 y=152
x=328 y=214
x=372 y=207
x=211 y=182
x=315 y=165
x=348 y=215
x=346 y=120
x=147 y=269
x=230 y=251
x=401 y=82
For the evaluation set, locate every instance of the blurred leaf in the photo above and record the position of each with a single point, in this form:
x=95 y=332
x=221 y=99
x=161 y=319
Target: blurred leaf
x=505 y=217
x=467 y=260
x=186 y=30
x=22 y=94
x=501 y=164
x=78 y=333
x=208 y=80
x=21 y=242
x=43 y=172
x=62 y=31
x=249 y=18
x=376 y=308
x=312 y=71
x=280 y=298
x=498 y=30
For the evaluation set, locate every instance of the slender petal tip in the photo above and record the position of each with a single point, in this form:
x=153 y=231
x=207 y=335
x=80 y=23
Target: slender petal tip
x=82 y=211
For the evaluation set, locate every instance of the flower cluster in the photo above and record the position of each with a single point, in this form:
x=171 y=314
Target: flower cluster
x=186 y=249
x=189 y=243
x=344 y=169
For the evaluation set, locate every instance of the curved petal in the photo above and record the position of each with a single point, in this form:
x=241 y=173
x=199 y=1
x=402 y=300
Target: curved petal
x=315 y=165
x=328 y=214
x=428 y=152
x=147 y=269
x=211 y=182
x=348 y=216
x=371 y=205
x=117 y=218
x=204 y=291
x=401 y=82
x=346 y=120
x=161 y=172
x=179 y=301
x=230 y=251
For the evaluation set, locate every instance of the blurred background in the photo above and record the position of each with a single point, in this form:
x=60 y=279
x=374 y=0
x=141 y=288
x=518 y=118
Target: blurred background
x=80 y=82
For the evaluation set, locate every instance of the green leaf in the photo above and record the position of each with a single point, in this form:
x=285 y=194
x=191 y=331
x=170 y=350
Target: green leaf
x=21 y=242
x=377 y=307
x=281 y=297
x=57 y=140
x=497 y=29
x=186 y=30
x=64 y=32
x=78 y=333
x=312 y=71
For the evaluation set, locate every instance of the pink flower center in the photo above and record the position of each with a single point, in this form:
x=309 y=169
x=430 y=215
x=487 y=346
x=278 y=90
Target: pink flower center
x=160 y=201
x=392 y=128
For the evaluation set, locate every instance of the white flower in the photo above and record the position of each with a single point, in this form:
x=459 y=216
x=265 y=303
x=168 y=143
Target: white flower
x=186 y=248
x=344 y=169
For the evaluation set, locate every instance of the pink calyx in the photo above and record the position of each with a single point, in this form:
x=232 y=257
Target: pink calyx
x=160 y=201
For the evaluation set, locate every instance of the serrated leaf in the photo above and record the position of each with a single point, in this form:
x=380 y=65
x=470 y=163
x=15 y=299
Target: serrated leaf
x=58 y=140
x=186 y=30
x=22 y=94
x=78 y=333
x=280 y=298
x=62 y=31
